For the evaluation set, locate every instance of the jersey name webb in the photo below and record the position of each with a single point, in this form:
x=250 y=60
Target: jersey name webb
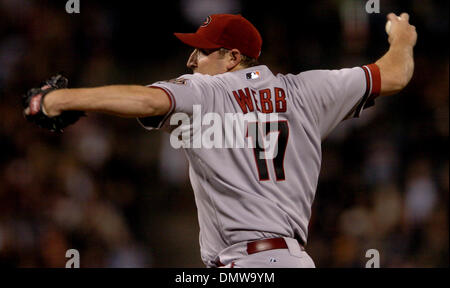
x=264 y=100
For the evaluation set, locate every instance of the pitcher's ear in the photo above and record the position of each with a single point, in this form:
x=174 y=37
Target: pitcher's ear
x=234 y=58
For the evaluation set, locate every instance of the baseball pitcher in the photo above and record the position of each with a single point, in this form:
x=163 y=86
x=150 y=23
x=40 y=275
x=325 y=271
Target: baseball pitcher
x=254 y=201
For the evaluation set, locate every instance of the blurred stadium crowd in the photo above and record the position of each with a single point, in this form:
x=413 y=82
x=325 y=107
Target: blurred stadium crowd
x=120 y=194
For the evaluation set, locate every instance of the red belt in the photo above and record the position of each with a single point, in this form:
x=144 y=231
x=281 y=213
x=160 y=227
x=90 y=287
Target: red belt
x=265 y=245
x=268 y=244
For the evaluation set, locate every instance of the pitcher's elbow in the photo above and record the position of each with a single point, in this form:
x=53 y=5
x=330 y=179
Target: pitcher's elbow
x=402 y=82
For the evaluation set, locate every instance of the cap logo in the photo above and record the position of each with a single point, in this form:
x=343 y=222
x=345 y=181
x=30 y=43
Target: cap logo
x=207 y=21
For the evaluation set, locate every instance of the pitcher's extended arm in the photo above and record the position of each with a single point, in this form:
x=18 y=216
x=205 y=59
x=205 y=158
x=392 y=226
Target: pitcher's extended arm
x=118 y=100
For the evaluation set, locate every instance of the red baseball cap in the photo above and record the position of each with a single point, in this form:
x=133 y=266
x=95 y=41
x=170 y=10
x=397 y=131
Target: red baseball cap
x=225 y=31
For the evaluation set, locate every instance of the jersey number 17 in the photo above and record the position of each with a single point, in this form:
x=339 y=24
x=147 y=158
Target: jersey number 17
x=280 y=147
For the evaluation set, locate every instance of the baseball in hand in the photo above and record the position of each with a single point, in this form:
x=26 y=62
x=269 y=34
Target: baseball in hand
x=388 y=25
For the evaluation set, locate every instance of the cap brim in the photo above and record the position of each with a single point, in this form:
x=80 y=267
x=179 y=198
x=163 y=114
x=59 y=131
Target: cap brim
x=196 y=41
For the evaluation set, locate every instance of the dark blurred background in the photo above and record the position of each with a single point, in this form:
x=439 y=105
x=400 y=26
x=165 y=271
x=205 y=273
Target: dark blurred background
x=120 y=194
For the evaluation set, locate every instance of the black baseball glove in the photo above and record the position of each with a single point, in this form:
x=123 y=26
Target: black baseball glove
x=34 y=99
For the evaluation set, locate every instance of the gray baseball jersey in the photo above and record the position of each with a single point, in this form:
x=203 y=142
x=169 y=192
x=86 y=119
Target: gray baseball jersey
x=239 y=196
